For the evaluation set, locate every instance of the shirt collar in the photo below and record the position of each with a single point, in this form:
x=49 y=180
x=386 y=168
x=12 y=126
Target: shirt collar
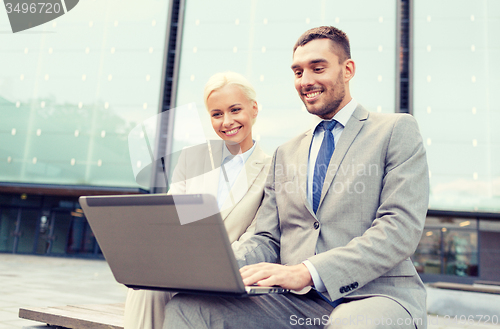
x=342 y=116
x=244 y=156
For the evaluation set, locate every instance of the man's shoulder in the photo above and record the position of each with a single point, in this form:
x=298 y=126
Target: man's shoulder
x=389 y=119
x=258 y=154
x=395 y=127
x=386 y=117
x=293 y=143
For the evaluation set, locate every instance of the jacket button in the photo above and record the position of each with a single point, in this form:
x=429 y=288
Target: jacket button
x=316 y=225
x=342 y=290
x=355 y=285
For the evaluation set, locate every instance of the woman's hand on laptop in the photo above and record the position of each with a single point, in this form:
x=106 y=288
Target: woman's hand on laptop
x=294 y=277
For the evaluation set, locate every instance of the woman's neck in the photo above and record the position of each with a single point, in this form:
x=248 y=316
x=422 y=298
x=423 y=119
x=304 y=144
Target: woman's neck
x=239 y=148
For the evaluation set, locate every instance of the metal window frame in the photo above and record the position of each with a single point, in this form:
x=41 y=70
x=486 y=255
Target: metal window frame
x=168 y=95
x=404 y=38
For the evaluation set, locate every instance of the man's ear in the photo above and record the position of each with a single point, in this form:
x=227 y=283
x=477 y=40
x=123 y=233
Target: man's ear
x=350 y=69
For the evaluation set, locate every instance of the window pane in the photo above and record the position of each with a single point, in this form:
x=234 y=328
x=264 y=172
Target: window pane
x=53 y=234
x=8 y=222
x=456 y=79
x=256 y=39
x=460 y=253
x=43 y=235
x=448 y=246
x=489 y=225
x=89 y=240
x=490 y=250
x=427 y=257
x=72 y=89
x=77 y=236
x=29 y=222
x=62 y=221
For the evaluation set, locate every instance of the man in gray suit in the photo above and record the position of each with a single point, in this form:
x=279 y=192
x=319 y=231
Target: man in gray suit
x=344 y=209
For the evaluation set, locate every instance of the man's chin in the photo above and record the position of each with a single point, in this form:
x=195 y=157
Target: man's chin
x=317 y=111
x=321 y=111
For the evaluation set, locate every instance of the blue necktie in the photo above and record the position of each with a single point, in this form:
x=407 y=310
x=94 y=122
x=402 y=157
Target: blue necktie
x=322 y=161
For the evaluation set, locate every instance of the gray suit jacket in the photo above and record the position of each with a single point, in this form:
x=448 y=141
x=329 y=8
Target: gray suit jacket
x=371 y=214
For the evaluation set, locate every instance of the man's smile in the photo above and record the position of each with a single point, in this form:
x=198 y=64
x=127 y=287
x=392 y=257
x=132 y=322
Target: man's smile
x=312 y=95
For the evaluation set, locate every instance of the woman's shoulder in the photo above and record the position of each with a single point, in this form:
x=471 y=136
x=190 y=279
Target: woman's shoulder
x=201 y=149
x=259 y=154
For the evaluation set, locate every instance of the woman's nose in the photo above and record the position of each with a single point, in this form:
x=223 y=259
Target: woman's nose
x=228 y=121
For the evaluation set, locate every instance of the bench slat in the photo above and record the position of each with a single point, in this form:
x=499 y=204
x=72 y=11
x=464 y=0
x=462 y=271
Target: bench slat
x=465 y=287
x=104 y=308
x=77 y=317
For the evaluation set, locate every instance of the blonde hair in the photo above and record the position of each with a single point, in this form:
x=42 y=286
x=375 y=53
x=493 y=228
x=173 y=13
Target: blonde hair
x=219 y=80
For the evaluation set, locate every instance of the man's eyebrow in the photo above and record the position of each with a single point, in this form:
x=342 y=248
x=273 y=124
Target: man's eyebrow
x=314 y=61
x=319 y=60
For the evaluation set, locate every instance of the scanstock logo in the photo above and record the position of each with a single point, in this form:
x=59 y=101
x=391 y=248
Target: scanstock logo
x=25 y=14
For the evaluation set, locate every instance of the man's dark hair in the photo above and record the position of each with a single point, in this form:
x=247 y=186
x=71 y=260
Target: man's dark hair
x=340 y=40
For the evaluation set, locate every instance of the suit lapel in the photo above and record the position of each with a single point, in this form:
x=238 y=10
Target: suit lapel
x=253 y=166
x=212 y=166
x=302 y=160
x=350 y=132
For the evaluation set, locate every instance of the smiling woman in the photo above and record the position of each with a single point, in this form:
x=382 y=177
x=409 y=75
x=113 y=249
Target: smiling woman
x=233 y=169
x=230 y=101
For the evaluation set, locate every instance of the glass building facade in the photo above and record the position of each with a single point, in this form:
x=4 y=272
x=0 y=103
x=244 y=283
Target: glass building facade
x=70 y=92
x=256 y=38
x=456 y=79
x=73 y=89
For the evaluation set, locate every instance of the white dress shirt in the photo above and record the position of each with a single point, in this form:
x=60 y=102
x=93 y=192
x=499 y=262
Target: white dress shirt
x=341 y=117
x=229 y=170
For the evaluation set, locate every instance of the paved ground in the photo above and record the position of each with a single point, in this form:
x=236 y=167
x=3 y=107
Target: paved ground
x=47 y=281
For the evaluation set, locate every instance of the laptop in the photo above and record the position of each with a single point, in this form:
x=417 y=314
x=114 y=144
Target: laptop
x=166 y=242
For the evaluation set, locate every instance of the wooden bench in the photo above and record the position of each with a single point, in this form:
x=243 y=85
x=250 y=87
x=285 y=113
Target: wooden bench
x=489 y=283
x=480 y=286
x=108 y=316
